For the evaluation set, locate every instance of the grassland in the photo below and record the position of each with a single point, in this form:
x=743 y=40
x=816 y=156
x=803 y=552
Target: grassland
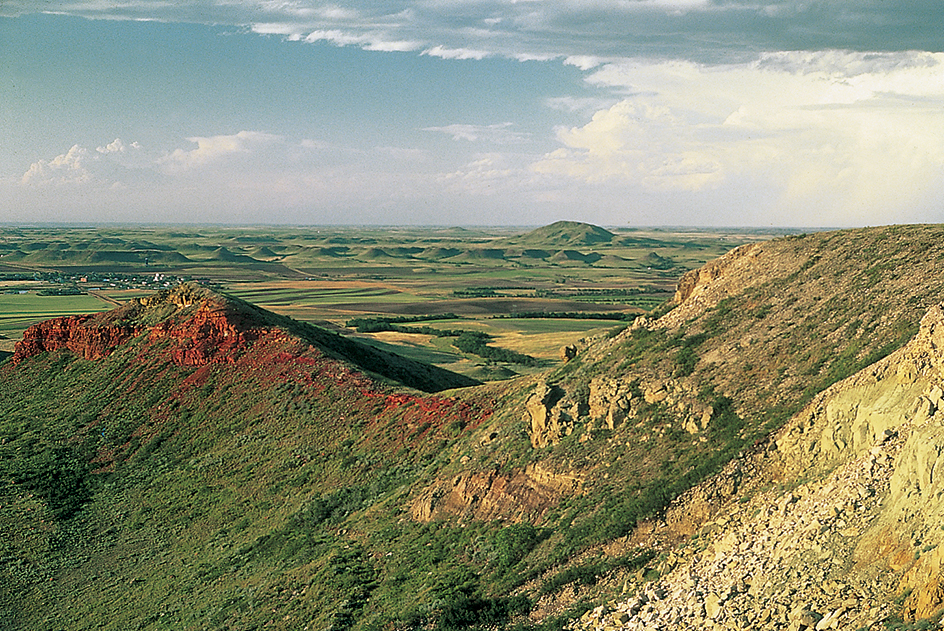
x=329 y=275
x=136 y=492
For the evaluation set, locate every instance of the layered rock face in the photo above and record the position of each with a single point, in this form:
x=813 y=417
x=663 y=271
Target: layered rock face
x=78 y=334
x=836 y=524
x=212 y=332
x=698 y=280
x=516 y=495
x=551 y=413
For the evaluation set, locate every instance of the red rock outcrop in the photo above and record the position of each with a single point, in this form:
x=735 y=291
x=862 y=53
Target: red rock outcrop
x=201 y=329
x=78 y=334
x=213 y=333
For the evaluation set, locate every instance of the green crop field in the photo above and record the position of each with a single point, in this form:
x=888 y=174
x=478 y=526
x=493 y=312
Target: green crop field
x=19 y=311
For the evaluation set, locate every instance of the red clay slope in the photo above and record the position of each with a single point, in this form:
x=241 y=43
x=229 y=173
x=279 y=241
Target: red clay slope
x=191 y=326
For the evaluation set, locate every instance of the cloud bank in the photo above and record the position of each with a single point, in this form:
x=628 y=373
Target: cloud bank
x=835 y=135
x=723 y=112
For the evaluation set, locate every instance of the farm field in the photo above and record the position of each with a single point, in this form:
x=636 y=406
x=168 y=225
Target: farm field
x=502 y=282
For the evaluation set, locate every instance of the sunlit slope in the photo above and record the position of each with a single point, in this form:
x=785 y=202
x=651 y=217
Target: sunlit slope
x=639 y=416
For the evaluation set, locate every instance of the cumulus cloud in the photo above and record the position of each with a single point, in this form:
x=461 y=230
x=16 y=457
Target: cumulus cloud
x=107 y=165
x=117 y=146
x=217 y=149
x=245 y=176
x=66 y=168
x=119 y=164
x=860 y=134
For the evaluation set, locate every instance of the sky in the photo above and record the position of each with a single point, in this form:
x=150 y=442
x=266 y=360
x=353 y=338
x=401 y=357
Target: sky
x=623 y=113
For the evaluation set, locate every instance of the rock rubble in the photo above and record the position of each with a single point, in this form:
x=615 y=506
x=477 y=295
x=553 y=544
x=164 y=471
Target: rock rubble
x=834 y=525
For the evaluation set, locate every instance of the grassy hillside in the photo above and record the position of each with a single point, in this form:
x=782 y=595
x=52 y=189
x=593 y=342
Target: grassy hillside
x=641 y=415
x=757 y=338
x=566 y=234
x=264 y=479
x=144 y=490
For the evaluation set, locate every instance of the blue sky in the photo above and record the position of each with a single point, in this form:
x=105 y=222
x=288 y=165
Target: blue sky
x=473 y=112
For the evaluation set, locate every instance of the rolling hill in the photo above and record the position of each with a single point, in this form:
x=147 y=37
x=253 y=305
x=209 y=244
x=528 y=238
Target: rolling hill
x=564 y=234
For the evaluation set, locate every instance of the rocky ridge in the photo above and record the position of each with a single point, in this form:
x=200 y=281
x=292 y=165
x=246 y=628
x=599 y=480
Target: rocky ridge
x=197 y=327
x=834 y=524
x=201 y=326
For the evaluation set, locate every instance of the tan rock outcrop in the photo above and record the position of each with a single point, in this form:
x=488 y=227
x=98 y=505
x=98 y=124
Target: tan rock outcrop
x=516 y=495
x=612 y=401
x=827 y=527
x=547 y=419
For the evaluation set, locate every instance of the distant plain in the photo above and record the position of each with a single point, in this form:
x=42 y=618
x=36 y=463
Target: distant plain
x=504 y=282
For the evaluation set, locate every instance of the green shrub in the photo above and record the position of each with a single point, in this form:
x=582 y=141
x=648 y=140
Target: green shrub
x=589 y=574
x=474 y=342
x=513 y=542
x=58 y=476
x=468 y=612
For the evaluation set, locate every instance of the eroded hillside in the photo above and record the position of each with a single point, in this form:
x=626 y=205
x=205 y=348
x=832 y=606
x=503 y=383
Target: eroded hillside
x=756 y=334
x=638 y=417
x=834 y=524
x=181 y=459
x=217 y=466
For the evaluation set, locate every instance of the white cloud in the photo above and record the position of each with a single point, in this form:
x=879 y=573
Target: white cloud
x=584 y=62
x=368 y=41
x=499 y=134
x=117 y=146
x=576 y=29
x=456 y=53
x=67 y=168
x=246 y=176
x=105 y=166
x=587 y=105
x=836 y=136
x=214 y=149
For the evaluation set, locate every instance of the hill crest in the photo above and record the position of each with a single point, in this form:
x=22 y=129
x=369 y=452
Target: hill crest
x=198 y=326
x=565 y=234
